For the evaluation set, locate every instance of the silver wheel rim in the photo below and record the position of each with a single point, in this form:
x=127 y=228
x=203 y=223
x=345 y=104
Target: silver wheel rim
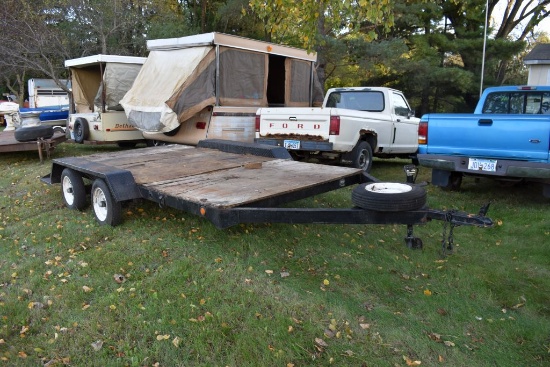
x=388 y=188
x=100 y=204
x=68 y=190
x=364 y=159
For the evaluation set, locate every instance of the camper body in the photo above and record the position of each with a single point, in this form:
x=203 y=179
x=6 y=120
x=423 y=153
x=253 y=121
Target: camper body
x=209 y=86
x=98 y=84
x=46 y=93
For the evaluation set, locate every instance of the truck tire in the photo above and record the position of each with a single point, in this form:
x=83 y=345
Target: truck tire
x=81 y=130
x=455 y=180
x=31 y=133
x=107 y=211
x=73 y=189
x=362 y=156
x=388 y=196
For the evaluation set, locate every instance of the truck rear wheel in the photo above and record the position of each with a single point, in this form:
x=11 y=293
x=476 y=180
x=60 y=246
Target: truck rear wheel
x=73 y=189
x=81 y=130
x=362 y=156
x=388 y=196
x=455 y=180
x=107 y=210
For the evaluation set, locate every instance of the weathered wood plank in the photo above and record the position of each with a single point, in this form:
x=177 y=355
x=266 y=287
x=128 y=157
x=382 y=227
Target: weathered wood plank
x=240 y=185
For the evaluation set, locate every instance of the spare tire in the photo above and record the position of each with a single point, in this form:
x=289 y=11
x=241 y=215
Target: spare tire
x=31 y=133
x=388 y=196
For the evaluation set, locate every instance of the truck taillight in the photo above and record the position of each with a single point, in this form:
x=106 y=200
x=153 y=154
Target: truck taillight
x=257 y=123
x=334 y=125
x=423 y=132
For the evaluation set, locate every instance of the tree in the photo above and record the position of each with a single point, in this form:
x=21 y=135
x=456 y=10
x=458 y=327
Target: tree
x=324 y=25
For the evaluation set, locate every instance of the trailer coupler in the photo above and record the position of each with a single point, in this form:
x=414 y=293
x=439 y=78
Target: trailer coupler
x=451 y=219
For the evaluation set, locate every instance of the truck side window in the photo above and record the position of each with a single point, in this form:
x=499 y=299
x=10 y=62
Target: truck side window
x=496 y=103
x=517 y=103
x=400 y=106
x=545 y=105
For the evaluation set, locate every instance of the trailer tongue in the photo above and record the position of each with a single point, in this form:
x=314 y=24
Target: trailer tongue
x=233 y=182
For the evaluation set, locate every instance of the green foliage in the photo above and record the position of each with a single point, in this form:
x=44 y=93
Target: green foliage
x=268 y=294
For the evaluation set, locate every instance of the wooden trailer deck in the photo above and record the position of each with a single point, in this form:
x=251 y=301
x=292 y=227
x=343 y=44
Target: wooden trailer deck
x=9 y=144
x=213 y=178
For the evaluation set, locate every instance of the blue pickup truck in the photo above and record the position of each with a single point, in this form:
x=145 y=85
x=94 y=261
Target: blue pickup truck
x=506 y=138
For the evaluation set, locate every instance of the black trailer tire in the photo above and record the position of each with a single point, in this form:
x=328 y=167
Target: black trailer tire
x=388 y=196
x=81 y=130
x=107 y=211
x=31 y=133
x=362 y=156
x=73 y=189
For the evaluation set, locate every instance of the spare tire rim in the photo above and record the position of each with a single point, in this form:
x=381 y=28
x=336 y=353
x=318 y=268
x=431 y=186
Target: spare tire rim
x=388 y=187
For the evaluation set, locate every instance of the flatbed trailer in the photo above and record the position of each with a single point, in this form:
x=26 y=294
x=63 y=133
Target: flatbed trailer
x=8 y=143
x=233 y=182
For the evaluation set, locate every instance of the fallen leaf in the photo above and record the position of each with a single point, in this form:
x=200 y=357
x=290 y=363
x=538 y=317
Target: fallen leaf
x=176 y=342
x=411 y=362
x=285 y=274
x=320 y=342
x=427 y=292
x=97 y=345
x=449 y=343
x=364 y=326
x=86 y=289
x=326 y=282
x=119 y=278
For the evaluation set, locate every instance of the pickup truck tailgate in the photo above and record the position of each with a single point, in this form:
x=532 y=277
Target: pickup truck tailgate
x=489 y=136
x=313 y=123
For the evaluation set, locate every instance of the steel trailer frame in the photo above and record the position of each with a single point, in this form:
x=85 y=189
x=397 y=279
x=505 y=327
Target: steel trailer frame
x=123 y=188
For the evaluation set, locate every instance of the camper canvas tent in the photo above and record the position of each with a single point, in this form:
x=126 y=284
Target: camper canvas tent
x=98 y=84
x=184 y=77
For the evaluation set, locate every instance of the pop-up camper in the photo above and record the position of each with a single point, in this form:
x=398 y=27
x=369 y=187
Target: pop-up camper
x=209 y=86
x=98 y=84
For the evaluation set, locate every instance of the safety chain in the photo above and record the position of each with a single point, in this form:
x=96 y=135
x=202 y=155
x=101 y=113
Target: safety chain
x=447 y=242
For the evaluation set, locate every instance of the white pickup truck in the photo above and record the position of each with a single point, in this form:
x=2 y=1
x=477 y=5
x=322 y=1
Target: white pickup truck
x=354 y=124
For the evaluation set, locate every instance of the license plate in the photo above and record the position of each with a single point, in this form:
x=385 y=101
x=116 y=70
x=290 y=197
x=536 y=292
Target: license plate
x=292 y=144
x=486 y=165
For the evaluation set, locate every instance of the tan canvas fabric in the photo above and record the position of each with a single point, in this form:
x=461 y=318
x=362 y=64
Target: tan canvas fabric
x=85 y=83
x=162 y=75
x=117 y=80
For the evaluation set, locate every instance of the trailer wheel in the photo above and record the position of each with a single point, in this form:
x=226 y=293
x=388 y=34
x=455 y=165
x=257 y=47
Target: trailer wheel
x=73 y=189
x=362 y=156
x=81 y=130
x=107 y=211
x=388 y=196
x=31 y=133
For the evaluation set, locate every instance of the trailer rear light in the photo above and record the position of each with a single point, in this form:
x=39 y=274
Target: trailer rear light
x=201 y=125
x=257 y=123
x=423 y=132
x=334 y=125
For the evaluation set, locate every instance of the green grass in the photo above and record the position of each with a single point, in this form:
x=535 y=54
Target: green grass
x=260 y=295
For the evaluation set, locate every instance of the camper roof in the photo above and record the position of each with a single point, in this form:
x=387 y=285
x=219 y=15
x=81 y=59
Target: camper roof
x=96 y=59
x=227 y=40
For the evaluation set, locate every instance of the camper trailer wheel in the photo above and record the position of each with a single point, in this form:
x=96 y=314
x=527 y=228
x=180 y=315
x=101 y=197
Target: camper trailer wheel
x=73 y=189
x=107 y=211
x=31 y=133
x=81 y=130
x=388 y=196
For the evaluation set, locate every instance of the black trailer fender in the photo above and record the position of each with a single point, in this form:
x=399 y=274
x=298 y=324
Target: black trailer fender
x=121 y=182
